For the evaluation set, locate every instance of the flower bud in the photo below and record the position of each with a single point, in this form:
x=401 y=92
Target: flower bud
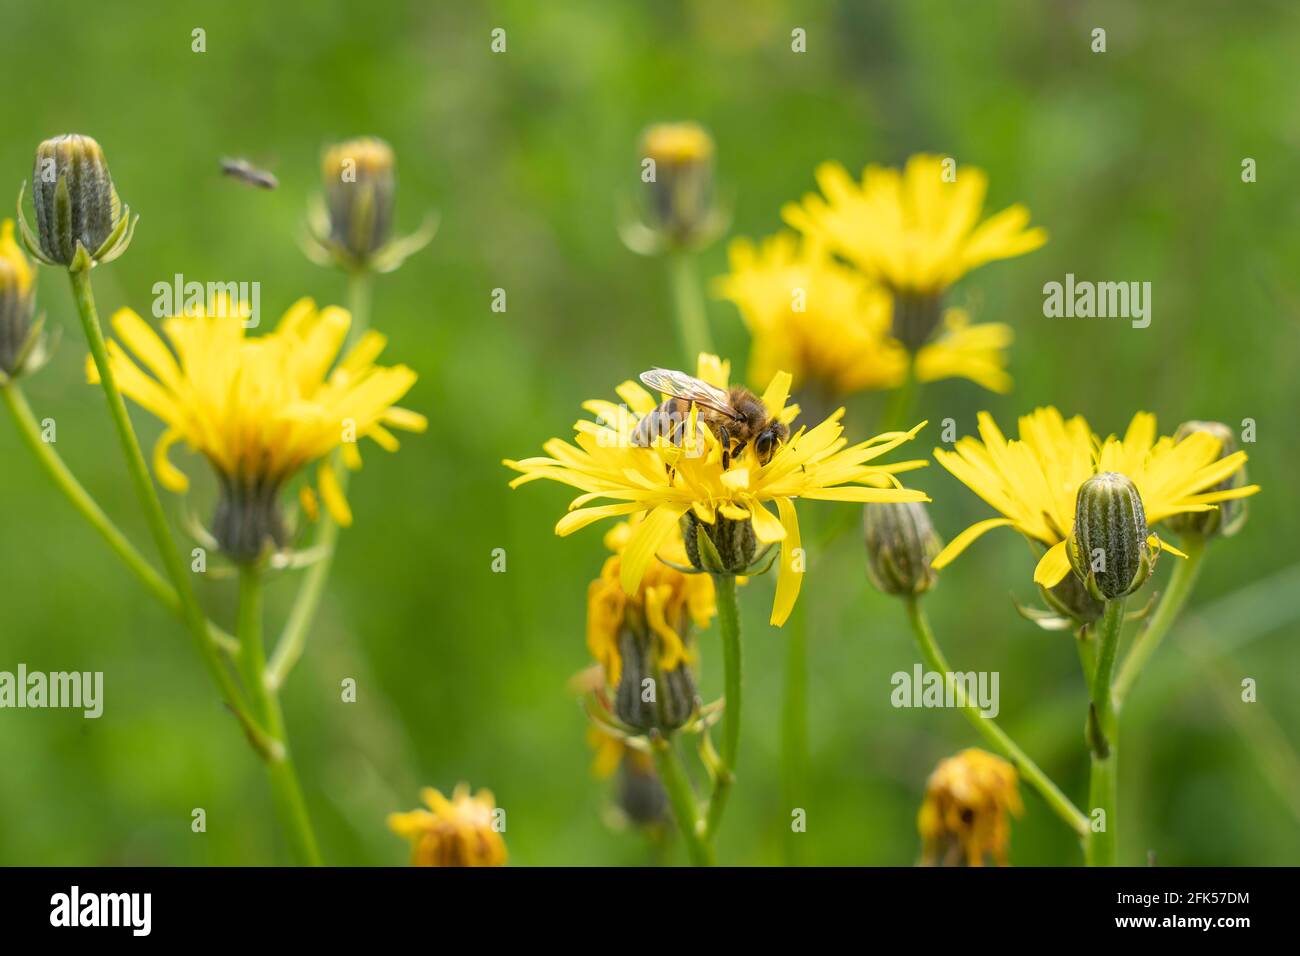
x=17 y=303
x=679 y=185
x=901 y=543
x=1229 y=516
x=649 y=696
x=359 y=180
x=248 y=519
x=79 y=218
x=1108 y=547
x=728 y=546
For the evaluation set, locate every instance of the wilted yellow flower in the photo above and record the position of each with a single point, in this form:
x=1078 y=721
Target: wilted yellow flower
x=668 y=482
x=646 y=634
x=666 y=602
x=963 y=818
x=457 y=832
x=916 y=231
x=830 y=326
x=1034 y=481
x=261 y=408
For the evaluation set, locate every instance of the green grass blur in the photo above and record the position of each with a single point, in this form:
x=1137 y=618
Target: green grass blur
x=1130 y=158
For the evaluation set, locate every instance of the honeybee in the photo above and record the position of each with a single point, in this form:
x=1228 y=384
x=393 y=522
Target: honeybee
x=249 y=174
x=736 y=416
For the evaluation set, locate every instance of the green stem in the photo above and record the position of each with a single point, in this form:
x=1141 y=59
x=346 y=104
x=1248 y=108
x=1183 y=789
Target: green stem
x=293 y=640
x=285 y=789
x=902 y=402
x=1175 y=597
x=1103 y=738
x=794 y=724
x=30 y=431
x=682 y=797
x=688 y=306
x=729 y=627
x=990 y=730
x=193 y=615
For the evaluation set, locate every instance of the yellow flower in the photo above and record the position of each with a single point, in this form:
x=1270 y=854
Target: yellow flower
x=912 y=230
x=666 y=482
x=822 y=321
x=830 y=326
x=1034 y=481
x=18 y=270
x=666 y=600
x=964 y=815
x=455 y=832
x=261 y=408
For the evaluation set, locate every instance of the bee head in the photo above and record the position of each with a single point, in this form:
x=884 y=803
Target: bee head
x=767 y=441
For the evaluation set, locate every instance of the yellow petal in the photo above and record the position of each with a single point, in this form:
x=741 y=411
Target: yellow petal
x=332 y=493
x=960 y=543
x=788 y=579
x=1053 y=566
x=645 y=542
x=169 y=476
x=1161 y=545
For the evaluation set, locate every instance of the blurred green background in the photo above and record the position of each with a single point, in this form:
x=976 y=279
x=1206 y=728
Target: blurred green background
x=1130 y=158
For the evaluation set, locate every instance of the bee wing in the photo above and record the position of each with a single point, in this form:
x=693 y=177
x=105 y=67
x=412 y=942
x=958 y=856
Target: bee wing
x=681 y=385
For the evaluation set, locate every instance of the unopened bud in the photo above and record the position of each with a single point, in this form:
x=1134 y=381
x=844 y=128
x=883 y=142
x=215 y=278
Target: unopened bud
x=727 y=546
x=680 y=194
x=1108 y=548
x=77 y=207
x=1229 y=516
x=359 y=179
x=901 y=543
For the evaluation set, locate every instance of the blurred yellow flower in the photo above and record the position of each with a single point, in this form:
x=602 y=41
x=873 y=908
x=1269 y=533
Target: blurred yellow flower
x=456 y=832
x=830 y=326
x=1034 y=481
x=963 y=818
x=666 y=482
x=261 y=408
x=917 y=231
x=823 y=322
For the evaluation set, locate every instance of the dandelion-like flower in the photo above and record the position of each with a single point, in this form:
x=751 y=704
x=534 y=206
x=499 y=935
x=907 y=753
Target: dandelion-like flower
x=1034 y=481
x=261 y=409
x=456 y=832
x=963 y=818
x=666 y=483
x=829 y=325
x=918 y=231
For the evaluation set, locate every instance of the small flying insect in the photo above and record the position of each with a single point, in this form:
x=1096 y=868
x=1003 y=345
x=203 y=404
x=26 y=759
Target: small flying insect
x=249 y=174
x=736 y=416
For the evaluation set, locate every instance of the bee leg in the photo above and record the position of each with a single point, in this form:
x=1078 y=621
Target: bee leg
x=724 y=438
